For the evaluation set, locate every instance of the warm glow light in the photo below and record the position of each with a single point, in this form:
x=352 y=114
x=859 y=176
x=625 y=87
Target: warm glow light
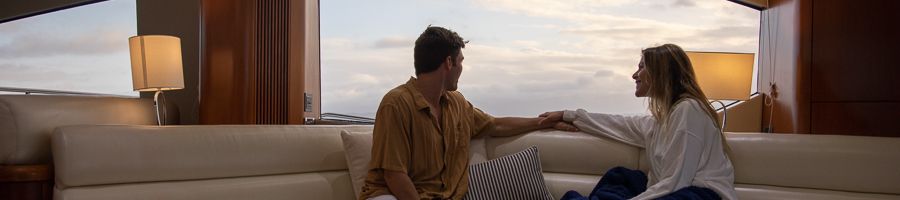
x=156 y=62
x=723 y=76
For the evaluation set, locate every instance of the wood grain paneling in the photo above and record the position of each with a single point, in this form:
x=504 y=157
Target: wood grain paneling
x=255 y=53
x=784 y=62
x=225 y=64
x=856 y=118
x=271 y=82
x=855 y=49
x=26 y=182
x=833 y=66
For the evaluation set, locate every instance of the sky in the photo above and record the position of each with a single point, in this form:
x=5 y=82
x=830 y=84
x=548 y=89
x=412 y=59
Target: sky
x=83 y=49
x=524 y=57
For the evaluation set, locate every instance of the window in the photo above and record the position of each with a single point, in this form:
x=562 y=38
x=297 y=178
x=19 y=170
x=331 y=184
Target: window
x=524 y=57
x=81 y=49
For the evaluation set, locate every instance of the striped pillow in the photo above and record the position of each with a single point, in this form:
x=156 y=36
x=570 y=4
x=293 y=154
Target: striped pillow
x=516 y=176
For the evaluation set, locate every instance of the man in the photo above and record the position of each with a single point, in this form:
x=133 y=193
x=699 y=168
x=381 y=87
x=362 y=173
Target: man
x=423 y=128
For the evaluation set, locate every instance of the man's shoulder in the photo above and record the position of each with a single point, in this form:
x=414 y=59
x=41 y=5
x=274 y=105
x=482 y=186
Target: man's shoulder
x=398 y=96
x=456 y=96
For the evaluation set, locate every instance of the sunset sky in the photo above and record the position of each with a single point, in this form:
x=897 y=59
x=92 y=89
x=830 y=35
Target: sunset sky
x=523 y=56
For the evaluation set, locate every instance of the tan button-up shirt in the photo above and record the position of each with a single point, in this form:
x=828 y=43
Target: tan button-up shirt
x=407 y=139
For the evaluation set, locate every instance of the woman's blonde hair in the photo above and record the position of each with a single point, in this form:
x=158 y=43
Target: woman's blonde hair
x=672 y=79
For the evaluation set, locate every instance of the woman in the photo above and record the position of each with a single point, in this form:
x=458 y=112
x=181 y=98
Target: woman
x=683 y=138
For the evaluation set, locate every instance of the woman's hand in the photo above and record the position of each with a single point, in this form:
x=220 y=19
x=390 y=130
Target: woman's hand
x=554 y=119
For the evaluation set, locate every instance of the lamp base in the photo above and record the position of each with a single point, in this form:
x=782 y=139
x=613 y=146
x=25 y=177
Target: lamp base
x=159 y=118
x=724 y=113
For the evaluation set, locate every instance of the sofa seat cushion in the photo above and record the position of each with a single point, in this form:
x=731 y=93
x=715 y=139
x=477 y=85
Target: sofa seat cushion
x=326 y=185
x=764 y=192
x=560 y=183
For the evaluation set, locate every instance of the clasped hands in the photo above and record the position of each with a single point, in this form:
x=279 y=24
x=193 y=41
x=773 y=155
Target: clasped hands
x=555 y=119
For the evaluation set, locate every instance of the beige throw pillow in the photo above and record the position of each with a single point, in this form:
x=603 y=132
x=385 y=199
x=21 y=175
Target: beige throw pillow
x=358 y=151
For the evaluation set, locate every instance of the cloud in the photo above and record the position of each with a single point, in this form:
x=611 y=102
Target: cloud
x=44 y=44
x=394 y=42
x=583 y=59
x=80 y=76
x=684 y=3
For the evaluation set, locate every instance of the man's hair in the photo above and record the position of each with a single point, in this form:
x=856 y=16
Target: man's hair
x=433 y=46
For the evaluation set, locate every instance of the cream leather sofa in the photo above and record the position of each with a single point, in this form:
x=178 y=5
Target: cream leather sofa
x=26 y=121
x=307 y=162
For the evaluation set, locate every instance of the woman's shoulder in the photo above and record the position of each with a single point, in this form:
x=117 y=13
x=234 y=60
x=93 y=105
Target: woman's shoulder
x=688 y=104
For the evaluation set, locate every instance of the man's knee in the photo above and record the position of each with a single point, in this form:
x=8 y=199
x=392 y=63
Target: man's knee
x=384 y=197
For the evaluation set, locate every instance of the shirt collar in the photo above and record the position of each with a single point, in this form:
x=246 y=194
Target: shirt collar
x=421 y=103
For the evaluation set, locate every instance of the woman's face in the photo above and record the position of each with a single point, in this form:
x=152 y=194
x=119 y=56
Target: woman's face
x=641 y=80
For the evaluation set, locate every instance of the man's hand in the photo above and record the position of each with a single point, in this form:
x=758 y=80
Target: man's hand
x=555 y=118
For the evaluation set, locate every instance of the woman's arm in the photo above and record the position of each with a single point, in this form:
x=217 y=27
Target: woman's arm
x=632 y=130
x=510 y=126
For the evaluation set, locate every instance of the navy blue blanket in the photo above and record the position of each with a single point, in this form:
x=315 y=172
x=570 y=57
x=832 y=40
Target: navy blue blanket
x=622 y=183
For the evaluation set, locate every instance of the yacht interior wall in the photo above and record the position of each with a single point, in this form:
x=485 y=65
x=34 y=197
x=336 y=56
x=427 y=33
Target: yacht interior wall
x=313 y=62
x=833 y=67
x=783 y=61
x=746 y=116
x=180 y=18
x=854 y=67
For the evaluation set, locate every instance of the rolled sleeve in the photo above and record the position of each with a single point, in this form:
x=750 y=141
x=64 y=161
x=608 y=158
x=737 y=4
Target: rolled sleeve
x=482 y=121
x=390 y=142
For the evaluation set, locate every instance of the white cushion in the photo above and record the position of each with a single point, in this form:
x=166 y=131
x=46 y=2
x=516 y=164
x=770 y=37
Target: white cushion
x=358 y=152
x=515 y=176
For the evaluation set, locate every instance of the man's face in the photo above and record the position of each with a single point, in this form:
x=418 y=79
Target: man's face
x=455 y=72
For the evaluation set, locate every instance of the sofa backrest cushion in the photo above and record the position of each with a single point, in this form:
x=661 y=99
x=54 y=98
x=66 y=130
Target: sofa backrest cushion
x=26 y=121
x=96 y=155
x=568 y=152
x=834 y=162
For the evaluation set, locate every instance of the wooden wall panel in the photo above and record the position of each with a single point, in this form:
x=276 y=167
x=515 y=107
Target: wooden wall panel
x=833 y=66
x=224 y=64
x=312 y=63
x=784 y=62
x=270 y=85
x=855 y=49
x=848 y=118
x=255 y=62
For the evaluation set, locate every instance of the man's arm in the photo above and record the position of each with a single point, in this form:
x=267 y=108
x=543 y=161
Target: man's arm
x=400 y=185
x=509 y=126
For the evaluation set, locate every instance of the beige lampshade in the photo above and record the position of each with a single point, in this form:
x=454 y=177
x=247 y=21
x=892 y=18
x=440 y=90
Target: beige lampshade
x=723 y=76
x=156 y=62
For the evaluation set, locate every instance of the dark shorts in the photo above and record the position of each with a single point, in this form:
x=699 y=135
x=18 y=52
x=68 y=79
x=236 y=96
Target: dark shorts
x=623 y=183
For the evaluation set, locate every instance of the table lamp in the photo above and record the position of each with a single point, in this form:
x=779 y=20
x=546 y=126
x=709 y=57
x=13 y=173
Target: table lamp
x=723 y=76
x=156 y=66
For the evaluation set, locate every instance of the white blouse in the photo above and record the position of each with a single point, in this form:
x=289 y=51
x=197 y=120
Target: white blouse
x=686 y=153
